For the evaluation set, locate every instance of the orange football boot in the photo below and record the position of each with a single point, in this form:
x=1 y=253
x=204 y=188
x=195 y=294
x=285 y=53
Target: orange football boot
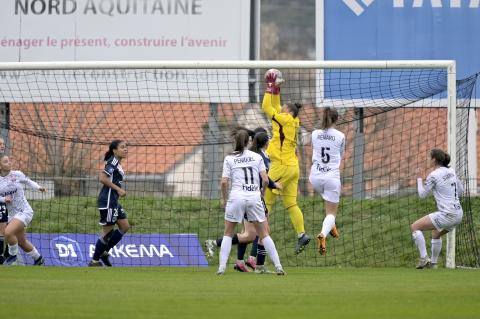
x=321 y=244
x=334 y=232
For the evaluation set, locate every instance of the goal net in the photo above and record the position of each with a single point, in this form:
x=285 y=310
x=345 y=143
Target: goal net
x=58 y=119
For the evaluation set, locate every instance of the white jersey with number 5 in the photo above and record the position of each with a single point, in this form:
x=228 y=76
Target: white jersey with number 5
x=328 y=148
x=243 y=171
x=446 y=188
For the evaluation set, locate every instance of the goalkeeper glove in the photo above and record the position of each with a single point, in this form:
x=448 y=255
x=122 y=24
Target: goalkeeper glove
x=273 y=79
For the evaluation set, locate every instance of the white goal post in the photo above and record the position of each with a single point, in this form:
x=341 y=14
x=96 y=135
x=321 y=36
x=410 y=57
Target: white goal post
x=448 y=65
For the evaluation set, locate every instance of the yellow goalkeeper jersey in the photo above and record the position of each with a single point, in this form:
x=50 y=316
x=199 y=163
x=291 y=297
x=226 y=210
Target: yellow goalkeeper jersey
x=282 y=147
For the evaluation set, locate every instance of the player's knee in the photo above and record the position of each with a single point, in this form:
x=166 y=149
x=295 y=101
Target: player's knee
x=413 y=227
x=436 y=234
x=9 y=234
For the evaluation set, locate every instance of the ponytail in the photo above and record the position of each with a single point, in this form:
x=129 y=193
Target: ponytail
x=330 y=117
x=294 y=108
x=241 y=141
x=446 y=161
x=113 y=146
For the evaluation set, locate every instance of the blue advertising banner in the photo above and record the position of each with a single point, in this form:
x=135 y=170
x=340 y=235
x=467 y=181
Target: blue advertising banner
x=402 y=30
x=76 y=250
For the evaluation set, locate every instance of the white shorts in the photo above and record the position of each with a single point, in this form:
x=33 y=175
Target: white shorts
x=238 y=208
x=25 y=218
x=329 y=187
x=446 y=221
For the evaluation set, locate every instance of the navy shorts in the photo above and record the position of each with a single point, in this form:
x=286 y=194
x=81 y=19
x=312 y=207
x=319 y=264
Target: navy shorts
x=3 y=213
x=110 y=216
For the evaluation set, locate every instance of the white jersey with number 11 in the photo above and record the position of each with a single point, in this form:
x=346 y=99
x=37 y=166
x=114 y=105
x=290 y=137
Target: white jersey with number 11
x=243 y=171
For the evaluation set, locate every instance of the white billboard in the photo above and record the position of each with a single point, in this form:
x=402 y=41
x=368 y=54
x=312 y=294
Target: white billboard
x=91 y=30
x=123 y=30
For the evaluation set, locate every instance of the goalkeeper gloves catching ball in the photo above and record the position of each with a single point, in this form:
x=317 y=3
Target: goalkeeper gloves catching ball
x=273 y=79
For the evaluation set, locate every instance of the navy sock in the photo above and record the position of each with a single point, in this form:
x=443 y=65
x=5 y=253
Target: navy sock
x=261 y=254
x=234 y=240
x=99 y=249
x=107 y=236
x=253 y=251
x=114 y=239
x=242 y=247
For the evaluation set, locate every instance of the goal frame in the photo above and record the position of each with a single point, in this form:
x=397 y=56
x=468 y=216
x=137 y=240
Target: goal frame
x=448 y=65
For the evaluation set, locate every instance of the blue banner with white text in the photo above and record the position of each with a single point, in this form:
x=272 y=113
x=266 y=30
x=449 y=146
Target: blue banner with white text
x=76 y=250
x=404 y=30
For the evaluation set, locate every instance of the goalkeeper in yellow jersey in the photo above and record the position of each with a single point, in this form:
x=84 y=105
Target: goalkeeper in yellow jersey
x=282 y=152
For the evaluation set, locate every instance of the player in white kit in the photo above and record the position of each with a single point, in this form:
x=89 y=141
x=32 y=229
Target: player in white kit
x=243 y=171
x=20 y=212
x=446 y=188
x=3 y=216
x=328 y=145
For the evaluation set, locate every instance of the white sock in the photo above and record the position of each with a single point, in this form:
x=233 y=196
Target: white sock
x=34 y=253
x=13 y=249
x=436 y=249
x=420 y=242
x=328 y=224
x=271 y=251
x=224 y=252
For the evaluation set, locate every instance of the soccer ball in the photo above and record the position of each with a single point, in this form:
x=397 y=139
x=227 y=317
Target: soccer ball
x=274 y=74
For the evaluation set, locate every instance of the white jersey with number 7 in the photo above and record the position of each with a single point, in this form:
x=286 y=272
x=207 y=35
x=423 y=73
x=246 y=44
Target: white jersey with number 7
x=446 y=188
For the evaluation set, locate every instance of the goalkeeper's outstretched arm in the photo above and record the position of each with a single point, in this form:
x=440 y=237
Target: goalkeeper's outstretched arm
x=271 y=100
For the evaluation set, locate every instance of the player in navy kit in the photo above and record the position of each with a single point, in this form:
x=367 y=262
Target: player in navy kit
x=111 y=212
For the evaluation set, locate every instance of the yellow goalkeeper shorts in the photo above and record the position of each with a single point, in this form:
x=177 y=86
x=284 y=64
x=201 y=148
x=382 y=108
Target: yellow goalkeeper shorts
x=287 y=176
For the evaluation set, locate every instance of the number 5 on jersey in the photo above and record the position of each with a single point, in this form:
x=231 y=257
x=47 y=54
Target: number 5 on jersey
x=325 y=155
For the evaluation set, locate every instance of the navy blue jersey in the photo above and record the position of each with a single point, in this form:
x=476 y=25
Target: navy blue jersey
x=3 y=213
x=266 y=161
x=108 y=198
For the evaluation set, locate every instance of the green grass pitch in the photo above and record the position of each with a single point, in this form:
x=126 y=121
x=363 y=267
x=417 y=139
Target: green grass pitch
x=314 y=292
x=373 y=233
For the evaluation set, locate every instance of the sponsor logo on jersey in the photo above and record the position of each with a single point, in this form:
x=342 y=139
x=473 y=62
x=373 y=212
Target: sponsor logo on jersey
x=250 y=187
x=323 y=169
